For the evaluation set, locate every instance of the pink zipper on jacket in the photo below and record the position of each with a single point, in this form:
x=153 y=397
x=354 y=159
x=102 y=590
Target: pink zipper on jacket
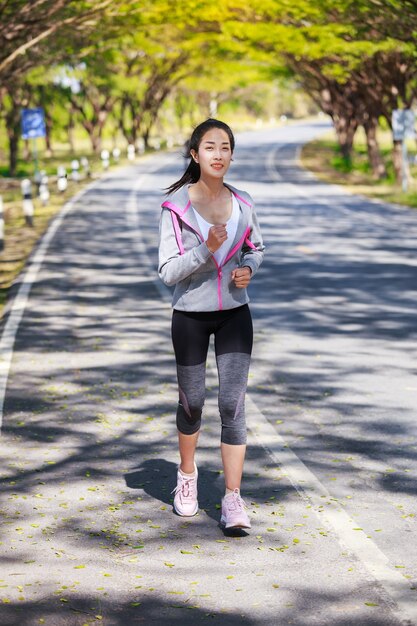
x=242 y=240
x=175 y=213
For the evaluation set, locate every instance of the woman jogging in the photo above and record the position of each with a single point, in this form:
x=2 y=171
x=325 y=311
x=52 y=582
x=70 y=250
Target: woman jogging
x=210 y=248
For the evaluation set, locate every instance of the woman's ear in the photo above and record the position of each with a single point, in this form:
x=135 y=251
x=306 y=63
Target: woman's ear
x=194 y=155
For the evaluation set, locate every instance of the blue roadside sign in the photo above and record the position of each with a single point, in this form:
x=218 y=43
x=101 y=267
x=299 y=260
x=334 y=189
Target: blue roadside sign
x=33 y=123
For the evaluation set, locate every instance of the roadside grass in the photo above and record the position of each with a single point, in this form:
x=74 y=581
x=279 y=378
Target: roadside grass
x=323 y=158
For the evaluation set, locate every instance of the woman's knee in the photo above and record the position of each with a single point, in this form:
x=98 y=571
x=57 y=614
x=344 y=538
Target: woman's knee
x=190 y=409
x=234 y=435
x=189 y=421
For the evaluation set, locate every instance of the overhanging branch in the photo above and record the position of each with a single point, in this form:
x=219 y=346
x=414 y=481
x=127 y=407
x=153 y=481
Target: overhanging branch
x=22 y=49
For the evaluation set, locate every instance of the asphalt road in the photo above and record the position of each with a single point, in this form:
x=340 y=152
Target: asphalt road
x=88 y=436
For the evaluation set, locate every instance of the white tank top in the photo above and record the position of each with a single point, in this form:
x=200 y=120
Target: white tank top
x=231 y=229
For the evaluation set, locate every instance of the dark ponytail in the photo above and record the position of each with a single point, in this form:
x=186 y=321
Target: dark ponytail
x=192 y=173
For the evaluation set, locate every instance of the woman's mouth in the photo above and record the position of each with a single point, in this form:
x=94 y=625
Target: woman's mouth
x=217 y=166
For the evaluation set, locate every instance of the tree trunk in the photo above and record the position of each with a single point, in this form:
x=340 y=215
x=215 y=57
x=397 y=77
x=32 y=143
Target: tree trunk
x=374 y=154
x=134 y=127
x=26 y=150
x=95 y=139
x=48 y=125
x=13 y=133
x=397 y=159
x=135 y=122
x=70 y=130
x=45 y=102
x=13 y=151
x=94 y=129
x=95 y=122
x=123 y=122
x=345 y=129
x=145 y=137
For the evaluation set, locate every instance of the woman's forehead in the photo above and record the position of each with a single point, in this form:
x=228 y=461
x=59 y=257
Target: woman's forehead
x=216 y=135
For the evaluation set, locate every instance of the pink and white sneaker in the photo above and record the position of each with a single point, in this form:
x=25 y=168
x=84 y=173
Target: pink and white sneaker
x=233 y=511
x=185 y=499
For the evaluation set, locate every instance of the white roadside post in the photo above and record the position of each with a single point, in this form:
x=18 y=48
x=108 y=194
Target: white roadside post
x=409 y=131
x=131 y=152
x=43 y=190
x=28 y=210
x=61 y=181
x=403 y=127
x=141 y=145
x=116 y=154
x=85 y=164
x=1 y=225
x=75 y=170
x=105 y=159
x=37 y=178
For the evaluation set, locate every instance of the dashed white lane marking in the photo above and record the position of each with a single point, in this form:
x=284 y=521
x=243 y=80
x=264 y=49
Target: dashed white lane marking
x=307 y=485
x=18 y=306
x=332 y=191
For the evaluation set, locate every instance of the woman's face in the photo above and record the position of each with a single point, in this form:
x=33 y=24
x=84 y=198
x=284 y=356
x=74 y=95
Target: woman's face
x=214 y=153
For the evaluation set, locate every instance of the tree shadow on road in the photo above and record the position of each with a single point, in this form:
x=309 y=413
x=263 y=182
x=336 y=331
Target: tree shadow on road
x=89 y=415
x=157 y=477
x=79 y=611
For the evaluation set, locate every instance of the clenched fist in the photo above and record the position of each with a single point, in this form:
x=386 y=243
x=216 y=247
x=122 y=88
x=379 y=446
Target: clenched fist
x=217 y=235
x=241 y=276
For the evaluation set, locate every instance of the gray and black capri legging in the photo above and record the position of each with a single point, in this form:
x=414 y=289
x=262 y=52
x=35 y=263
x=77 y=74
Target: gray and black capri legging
x=233 y=338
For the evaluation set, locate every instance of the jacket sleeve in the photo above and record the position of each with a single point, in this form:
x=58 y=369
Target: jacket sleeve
x=252 y=256
x=174 y=266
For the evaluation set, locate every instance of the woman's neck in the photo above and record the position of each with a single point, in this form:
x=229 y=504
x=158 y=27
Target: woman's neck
x=211 y=189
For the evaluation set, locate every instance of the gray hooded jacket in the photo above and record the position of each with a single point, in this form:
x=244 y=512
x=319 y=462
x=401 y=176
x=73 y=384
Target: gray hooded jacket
x=186 y=262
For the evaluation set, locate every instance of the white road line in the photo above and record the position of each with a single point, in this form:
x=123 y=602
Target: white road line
x=18 y=306
x=305 y=482
x=337 y=190
x=19 y=303
x=331 y=515
x=343 y=190
x=310 y=488
x=297 y=189
x=132 y=217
